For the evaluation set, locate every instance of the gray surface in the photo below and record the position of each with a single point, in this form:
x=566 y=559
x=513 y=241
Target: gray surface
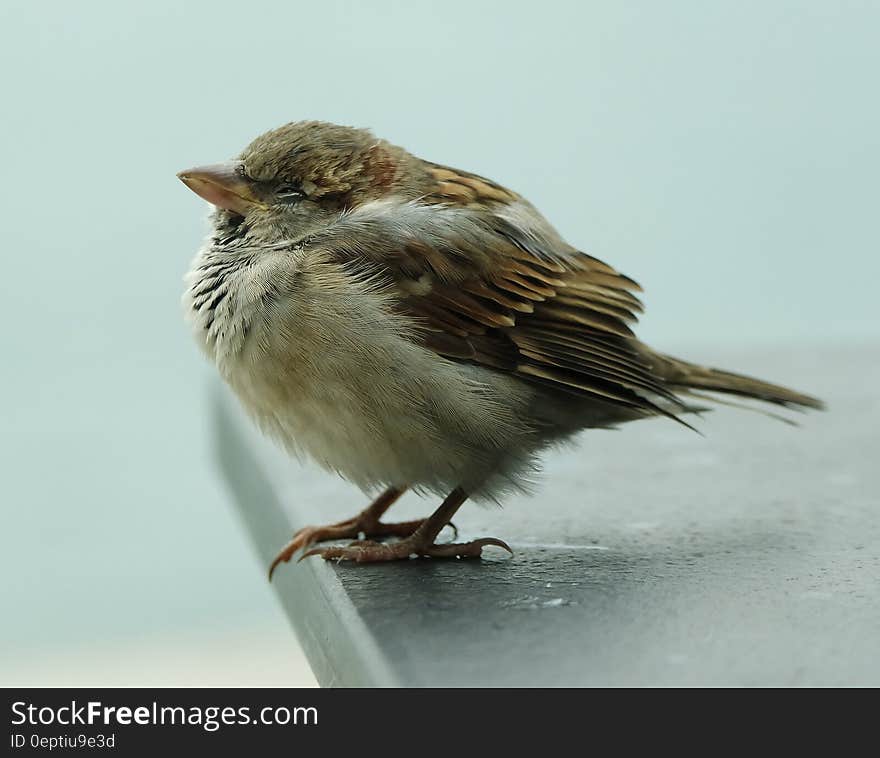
x=649 y=556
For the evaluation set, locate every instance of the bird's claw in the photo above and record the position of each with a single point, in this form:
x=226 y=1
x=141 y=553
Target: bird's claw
x=473 y=549
x=302 y=539
x=366 y=551
x=309 y=535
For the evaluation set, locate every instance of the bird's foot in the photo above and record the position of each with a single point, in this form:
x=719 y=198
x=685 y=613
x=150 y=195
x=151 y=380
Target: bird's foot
x=354 y=528
x=414 y=546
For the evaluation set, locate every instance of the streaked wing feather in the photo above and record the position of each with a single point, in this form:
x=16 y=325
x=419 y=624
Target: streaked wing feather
x=501 y=289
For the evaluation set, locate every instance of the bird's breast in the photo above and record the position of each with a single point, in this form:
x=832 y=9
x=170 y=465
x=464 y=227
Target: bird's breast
x=326 y=365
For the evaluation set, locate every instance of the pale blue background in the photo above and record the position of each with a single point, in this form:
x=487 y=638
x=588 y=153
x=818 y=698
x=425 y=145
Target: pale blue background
x=725 y=154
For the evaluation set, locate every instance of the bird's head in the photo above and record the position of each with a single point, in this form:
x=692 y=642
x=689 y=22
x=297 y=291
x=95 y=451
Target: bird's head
x=291 y=181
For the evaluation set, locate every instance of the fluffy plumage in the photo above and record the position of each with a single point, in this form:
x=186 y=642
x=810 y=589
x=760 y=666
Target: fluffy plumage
x=409 y=324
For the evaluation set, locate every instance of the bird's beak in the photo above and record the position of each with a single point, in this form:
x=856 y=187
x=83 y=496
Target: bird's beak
x=223 y=184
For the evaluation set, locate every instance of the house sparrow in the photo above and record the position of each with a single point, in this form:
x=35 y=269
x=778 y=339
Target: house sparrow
x=410 y=325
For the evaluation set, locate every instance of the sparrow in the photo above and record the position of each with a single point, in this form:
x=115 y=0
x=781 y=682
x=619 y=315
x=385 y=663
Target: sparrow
x=413 y=326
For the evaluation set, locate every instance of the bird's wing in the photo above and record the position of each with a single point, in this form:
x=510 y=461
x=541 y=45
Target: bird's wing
x=490 y=282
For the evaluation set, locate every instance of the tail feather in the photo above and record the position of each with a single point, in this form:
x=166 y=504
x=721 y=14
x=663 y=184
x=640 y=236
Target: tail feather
x=687 y=376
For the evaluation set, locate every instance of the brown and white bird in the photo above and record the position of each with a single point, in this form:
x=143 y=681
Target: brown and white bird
x=410 y=325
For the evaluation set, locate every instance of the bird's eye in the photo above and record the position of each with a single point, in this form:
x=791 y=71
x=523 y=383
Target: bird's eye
x=289 y=193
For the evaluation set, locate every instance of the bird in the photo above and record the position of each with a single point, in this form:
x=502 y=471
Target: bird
x=412 y=326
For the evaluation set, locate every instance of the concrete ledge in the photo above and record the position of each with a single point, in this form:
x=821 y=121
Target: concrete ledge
x=649 y=555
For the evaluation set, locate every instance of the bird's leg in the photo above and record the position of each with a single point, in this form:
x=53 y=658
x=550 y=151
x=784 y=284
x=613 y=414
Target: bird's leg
x=366 y=523
x=419 y=543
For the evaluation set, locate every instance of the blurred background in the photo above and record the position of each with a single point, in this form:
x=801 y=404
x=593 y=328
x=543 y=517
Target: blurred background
x=724 y=154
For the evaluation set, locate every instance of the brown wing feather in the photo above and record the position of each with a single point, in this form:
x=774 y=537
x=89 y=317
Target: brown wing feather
x=519 y=299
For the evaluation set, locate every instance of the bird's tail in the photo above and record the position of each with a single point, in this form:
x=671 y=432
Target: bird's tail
x=684 y=377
